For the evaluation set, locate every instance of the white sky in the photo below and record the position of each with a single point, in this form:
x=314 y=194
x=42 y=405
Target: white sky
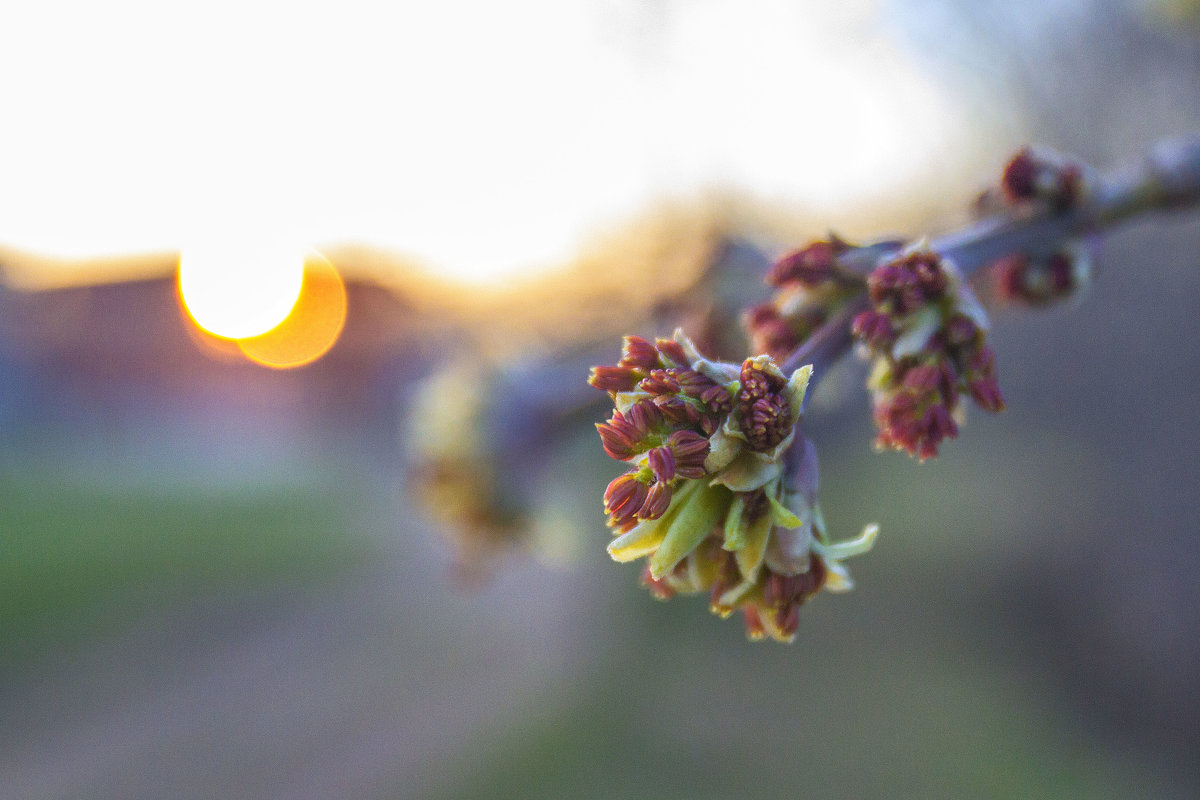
x=480 y=137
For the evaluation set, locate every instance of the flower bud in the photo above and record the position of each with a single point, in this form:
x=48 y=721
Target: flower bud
x=1040 y=174
x=927 y=332
x=719 y=497
x=809 y=266
x=1023 y=280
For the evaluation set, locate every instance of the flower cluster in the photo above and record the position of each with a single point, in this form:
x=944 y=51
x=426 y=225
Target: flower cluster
x=1021 y=279
x=927 y=335
x=1040 y=175
x=720 y=495
x=810 y=289
x=1035 y=182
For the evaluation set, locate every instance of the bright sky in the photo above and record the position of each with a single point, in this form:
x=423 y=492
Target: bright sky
x=480 y=137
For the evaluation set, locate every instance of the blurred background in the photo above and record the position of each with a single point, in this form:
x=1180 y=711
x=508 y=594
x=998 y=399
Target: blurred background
x=299 y=494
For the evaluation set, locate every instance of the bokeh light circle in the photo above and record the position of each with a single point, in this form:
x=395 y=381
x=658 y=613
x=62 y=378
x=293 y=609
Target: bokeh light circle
x=239 y=289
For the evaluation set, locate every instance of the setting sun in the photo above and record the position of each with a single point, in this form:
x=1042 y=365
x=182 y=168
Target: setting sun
x=237 y=290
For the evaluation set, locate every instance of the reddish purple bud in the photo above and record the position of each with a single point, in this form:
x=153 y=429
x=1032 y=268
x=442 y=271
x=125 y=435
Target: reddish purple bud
x=775 y=589
x=787 y=619
x=756 y=382
x=673 y=351
x=718 y=399
x=960 y=330
x=623 y=498
x=761 y=314
x=1042 y=174
x=1062 y=277
x=658 y=497
x=693 y=383
x=808 y=266
x=613 y=379
x=908 y=282
x=660 y=381
x=689 y=450
x=922 y=379
x=987 y=395
x=981 y=380
x=767 y=423
x=662 y=463
x=1009 y=277
x=624 y=435
x=764 y=416
x=754 y=625
x=677 y=410
x=930 y=276
x=874 y=329
x=616 y=436
x=640 y=353
x=644 y=417
x=936 y=425
x=1019 y=180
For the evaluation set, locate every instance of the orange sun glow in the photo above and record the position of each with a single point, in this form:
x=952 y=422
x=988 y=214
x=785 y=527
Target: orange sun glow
x=276 y=311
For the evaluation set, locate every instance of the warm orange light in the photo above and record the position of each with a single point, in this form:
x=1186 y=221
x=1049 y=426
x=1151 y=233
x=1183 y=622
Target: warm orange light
x=312 y=326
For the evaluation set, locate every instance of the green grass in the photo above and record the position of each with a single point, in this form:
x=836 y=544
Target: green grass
x=78 y=562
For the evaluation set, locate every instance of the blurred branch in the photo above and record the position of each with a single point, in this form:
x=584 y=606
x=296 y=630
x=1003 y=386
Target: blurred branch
x=1167 y=179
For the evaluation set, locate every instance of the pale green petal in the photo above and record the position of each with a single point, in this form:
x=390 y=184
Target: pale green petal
x=626 y=400
x=783 y=516
x=969 y=306
x=697 y=519
x=645 y=537
x=773 y=630
x=750 y=557
x=919 y=328
x=837 y=577
x=777 y=451
x=850 y=547
x=747 y=472
x=881 y=374
x=797 y=386
x=723 y=446
x=732 y=597
x=719 y=371
x=643 y=540
x=735 y=525
x=701 y=572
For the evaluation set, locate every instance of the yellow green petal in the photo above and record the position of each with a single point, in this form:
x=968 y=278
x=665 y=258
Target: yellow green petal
x=750 y=556
x=735 y=525
x=643 y=540
x=698 y=517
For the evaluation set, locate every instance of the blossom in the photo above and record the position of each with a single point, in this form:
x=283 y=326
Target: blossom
x=720 y=494
x=927 y=335
x=1039 y=174
x=810 y=288
x=1024 y=280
